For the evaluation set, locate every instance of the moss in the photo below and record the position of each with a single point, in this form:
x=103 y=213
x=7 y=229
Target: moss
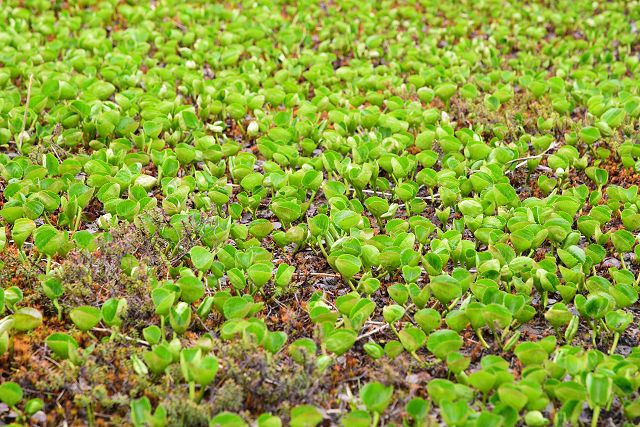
x=55 y=378
x=267 y=383
x=184 y=412
x=90 y=279
x=228 y=397
x=15 y=272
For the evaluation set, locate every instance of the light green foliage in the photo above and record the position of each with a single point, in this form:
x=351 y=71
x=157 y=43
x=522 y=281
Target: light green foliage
x=365 y=194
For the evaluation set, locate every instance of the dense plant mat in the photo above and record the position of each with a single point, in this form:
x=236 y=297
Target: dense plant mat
x=319 y=213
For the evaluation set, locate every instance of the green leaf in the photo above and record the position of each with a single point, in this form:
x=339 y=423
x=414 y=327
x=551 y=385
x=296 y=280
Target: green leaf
x=412 y=338
x=376 y=397
x=85 y=317
x=443 y=342
x=599 y=389
x=48 y=240
x=356 y=419
x=227 y=419
x=623 y=240
x=22 y=229
x=614 y=117
x=10 y=393
x=61 y=344
x=188 y=120
x=180 y=317
x=454 y=413
x=26 y=319
x=237 y=308
x=192 y=289
x=348 y=265
x=286 y=211
x=260 y=273
x=445 y=288
x=305 y=416
x=340 y=341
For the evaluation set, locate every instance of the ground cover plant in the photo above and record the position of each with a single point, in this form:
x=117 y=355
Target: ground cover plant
x=310 y=213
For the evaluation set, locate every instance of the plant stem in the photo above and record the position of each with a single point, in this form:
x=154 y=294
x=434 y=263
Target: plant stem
x=22 y=255
x=90 y=417
x=192 y=390
x=76 y=224
x=56 y=304
x=616 y=337
x=353 y=288
x=418 y=359
x=200 y=394
x=481 y=338
x=376 y=419
x=26 y=114
x=453 y=304
x=324 y=252
x=595 y=416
